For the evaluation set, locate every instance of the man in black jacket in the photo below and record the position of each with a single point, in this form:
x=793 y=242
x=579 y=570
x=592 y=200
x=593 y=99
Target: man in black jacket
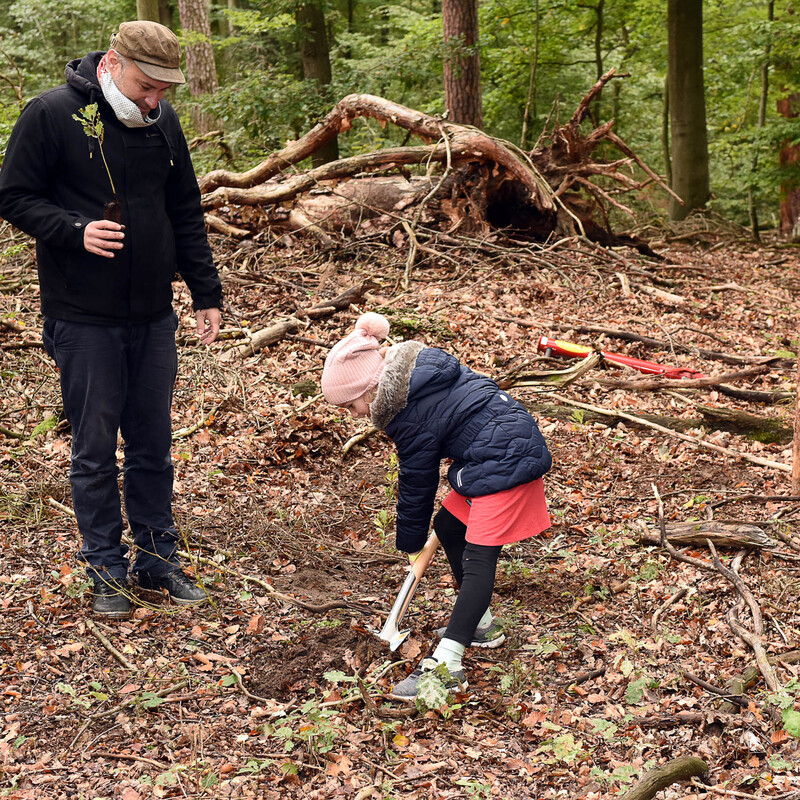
x=106 y=289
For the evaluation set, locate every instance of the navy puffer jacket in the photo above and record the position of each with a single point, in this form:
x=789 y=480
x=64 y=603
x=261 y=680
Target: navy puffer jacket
x=433 y=408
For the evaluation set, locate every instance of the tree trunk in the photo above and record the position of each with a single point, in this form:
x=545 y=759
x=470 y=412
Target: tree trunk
x=200 y=66
x=462 y=64
x=148 y=9
x=762 y=121
x=316 y=59
x=530 y=101
x=598 y=58
x=790 y=193
x=165 y=13
x=687 y=107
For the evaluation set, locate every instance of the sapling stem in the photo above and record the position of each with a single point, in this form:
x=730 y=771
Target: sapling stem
x=93 y=127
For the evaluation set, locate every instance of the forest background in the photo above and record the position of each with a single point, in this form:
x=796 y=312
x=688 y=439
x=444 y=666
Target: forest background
x=537 y=60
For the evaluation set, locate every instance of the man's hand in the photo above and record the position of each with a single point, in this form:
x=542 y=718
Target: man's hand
x=102 y=237
x=412 y=557
x=208 y=320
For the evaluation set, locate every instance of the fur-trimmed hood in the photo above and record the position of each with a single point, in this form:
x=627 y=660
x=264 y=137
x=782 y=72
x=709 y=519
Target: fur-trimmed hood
x=392 y=395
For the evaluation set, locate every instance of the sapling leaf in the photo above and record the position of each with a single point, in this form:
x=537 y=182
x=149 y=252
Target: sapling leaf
x=92 y=126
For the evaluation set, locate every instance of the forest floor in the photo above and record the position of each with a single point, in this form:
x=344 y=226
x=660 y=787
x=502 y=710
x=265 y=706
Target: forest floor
x=254 y=696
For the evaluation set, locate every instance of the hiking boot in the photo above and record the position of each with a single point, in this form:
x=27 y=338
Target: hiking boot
x=491 y=636
x=407 y=689
x=111 y=599
x=181 y=588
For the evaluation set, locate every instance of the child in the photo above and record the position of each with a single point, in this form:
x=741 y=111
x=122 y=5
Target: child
x=432 y=407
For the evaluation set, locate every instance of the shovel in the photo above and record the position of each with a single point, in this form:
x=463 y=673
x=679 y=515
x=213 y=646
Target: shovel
x=391 y=632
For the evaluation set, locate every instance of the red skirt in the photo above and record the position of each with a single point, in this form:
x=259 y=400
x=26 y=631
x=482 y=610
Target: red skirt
x=504 y=517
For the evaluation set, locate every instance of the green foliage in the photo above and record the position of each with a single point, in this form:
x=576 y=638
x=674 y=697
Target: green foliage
x=538 y=60
x=432 y=693
x=41 y=36
x=312 y=727
x=791 y=722
x=88 y=118
x=475 y=788
x=565 y=748
x=44 y=426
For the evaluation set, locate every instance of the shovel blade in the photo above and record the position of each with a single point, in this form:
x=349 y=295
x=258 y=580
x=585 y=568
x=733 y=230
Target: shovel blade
x=391 y=632
x=395 y=639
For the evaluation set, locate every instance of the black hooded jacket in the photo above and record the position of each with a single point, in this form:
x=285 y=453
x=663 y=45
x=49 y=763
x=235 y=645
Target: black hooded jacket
x=53 y=183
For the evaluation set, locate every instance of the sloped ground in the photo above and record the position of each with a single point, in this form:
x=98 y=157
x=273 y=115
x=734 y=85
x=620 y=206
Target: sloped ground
x=255 y=697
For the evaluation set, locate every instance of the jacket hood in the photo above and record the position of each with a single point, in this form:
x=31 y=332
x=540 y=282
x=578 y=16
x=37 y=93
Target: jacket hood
x=439 y=370
x=393 y=386
x=81 y=74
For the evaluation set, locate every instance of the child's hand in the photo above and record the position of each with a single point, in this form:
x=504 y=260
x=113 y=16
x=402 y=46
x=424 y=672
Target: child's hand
x=412 y=557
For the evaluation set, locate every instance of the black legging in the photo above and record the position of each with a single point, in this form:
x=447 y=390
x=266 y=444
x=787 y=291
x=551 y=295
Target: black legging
x=474 y=567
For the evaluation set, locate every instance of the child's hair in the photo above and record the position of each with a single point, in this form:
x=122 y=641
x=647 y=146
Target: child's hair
x=355 y=364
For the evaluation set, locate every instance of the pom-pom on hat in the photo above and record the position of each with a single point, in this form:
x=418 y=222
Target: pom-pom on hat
x=355 y=364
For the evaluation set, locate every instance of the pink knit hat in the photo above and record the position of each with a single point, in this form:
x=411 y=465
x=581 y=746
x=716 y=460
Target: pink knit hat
x=355 y=364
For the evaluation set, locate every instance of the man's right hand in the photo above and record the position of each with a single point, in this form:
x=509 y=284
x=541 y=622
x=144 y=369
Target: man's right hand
x=102 y=237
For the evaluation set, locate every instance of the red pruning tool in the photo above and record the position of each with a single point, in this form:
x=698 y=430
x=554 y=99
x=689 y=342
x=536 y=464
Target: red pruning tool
x=568 y=350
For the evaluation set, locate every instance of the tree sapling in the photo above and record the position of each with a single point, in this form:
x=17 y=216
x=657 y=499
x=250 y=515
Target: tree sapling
x=93 y=127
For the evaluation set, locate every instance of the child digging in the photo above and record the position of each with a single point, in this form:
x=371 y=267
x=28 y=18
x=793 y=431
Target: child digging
x=433 y=408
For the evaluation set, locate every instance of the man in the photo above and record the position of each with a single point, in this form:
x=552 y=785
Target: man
x=106 y=291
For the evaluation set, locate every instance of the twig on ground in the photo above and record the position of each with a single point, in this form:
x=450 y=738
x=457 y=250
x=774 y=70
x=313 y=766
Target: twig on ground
x=315 y=609
x=124 y=704
x=741 y=700
x=108 y=646
x=749 y=637
x=583 y=677
x=359 y=437
x=243 y=689
x=652 y=782
x=665 y=542
x=665 y=605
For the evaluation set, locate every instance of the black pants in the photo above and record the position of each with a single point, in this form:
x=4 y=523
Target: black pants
x=119 y=379
x=474 y=567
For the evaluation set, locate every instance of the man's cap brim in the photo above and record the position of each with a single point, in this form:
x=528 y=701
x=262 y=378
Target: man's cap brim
x=164 y=74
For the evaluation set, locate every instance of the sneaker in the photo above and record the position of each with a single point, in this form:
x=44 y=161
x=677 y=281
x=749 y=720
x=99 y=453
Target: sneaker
x=407 y=689
x=491 y=636
x=111 y=599
x=181 y=588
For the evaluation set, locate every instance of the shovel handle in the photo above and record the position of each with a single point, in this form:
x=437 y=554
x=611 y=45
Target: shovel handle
x=425 y=556
x=417 y=569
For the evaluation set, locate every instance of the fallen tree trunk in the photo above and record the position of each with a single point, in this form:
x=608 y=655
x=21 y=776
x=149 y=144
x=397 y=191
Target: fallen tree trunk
x=724 y=533
x=486 y=183
x=764 y=429
x=460 y=141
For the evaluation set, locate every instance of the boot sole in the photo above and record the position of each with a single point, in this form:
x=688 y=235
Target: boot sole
x=491 y=644
x=113 y=614
x=158 y=592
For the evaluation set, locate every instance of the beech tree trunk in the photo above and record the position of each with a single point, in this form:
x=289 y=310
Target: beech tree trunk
x=687 y=106
x=316 y=59
x=790 y=192
x=462 y=65
x=148 y=9
x=200 y=66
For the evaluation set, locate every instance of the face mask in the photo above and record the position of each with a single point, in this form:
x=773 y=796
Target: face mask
x=127 y=112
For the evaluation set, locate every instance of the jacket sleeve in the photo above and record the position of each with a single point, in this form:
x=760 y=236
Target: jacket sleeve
x=417 y=486
x=195 y=260
x=32 y=157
